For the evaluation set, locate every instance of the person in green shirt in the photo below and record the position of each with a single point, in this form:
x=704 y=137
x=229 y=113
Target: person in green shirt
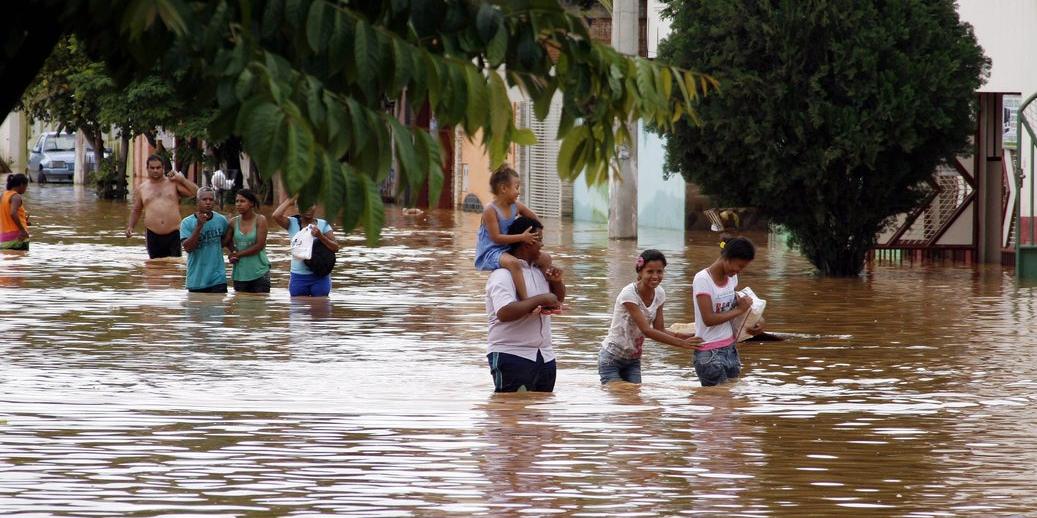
x=246 y=241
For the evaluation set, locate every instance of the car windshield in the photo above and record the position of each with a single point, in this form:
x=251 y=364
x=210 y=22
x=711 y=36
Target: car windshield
x=60 y=143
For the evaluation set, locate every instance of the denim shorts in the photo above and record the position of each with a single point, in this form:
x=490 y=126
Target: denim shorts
x=717 y=365
x=613 y=368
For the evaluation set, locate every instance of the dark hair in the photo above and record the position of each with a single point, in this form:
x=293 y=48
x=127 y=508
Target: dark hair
x=249 y=195
x=501 y=176
x=17 y=180
x=160 y=159
x=646 y=256
x=738 y=248
x=520 y=225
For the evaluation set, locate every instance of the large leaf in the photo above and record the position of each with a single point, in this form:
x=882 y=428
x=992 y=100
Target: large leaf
x=353 y=204
x=340 y=48
x=319 y=25
x=295 y=12
x=338 y=127
x=434 y=160
x=487 y=21
x=406 y=154
x=478 y=106
x=299 y=154
x=525 y=137
x=570 y=152
x=262 y=125
x=403 y=64
x=373 y=216
x=358 y=124
x=368 y=59
x=333 y=185
x=497 y=49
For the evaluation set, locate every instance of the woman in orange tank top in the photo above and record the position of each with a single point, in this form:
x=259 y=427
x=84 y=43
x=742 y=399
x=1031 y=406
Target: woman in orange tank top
x=14 y=223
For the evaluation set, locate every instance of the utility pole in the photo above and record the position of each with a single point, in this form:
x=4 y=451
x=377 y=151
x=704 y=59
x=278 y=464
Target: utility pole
x=623 y=190
x=79 y=169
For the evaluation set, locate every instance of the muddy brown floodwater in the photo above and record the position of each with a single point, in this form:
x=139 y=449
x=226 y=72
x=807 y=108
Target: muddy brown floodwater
x=909 y=391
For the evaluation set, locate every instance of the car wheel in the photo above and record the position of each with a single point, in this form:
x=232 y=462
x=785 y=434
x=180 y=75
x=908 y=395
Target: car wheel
x=41 y=178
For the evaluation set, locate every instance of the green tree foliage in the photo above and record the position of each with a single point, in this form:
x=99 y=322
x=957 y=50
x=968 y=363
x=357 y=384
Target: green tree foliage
x=78 y=93
x=67 y=92
x=833 y=112
x=307 y=84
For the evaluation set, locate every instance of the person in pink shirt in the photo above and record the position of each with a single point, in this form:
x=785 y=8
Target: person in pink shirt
x=716 y=306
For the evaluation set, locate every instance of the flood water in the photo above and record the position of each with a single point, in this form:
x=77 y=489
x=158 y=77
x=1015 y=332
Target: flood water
x=910 y=391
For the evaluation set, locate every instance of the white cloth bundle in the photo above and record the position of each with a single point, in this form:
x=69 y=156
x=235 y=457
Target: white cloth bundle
x=747 y=320
x=302 y=243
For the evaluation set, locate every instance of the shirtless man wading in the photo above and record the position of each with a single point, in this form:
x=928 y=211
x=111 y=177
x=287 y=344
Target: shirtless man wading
x=159 y=198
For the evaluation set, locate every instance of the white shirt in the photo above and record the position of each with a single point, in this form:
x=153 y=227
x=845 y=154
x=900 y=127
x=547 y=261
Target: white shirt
x=219 y=180
x=625 y=339
x=723 y=299
x=523 y=337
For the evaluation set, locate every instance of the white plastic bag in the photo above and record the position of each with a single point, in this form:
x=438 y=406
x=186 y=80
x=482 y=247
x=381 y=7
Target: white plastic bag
x=302 y=244
x=746 y=321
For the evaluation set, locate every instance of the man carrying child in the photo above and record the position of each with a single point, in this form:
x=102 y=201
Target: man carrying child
x=519 y=348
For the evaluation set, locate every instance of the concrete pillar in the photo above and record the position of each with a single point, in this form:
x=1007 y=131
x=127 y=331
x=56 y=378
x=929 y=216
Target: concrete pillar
x=79 y=174
x=623 y=189
x=13 y=141
x=989 y=178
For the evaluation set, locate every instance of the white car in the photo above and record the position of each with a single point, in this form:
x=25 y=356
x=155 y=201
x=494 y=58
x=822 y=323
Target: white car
x=54 y=156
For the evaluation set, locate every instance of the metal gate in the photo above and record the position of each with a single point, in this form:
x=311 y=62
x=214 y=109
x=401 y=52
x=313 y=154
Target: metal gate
x=542 y=189
x=1025 y=229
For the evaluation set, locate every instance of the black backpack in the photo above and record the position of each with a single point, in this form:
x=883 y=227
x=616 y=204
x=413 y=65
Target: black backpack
x=322 y=259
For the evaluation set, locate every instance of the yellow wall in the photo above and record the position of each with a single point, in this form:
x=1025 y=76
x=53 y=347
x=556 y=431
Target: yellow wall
x=472 y=154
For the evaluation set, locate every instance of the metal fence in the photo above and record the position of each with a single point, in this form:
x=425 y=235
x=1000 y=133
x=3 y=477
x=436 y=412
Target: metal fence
x=1024 y=232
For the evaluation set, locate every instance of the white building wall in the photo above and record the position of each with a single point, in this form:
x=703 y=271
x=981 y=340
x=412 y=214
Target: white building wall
x=13 y=142
x=1007 y=31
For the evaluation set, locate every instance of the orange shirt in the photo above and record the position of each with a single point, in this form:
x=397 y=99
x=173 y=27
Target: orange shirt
x=7 y=224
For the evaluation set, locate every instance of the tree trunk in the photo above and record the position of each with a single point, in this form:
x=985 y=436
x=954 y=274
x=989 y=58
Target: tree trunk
x=839 y=256
x=124 y=156
x=97 y=139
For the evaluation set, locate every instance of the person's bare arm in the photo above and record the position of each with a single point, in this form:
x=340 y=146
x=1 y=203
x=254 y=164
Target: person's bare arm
x=135 y=212
x=756 y=329
x=490 y=221
x=191 y=243
x=281 y=213
x=185 y=187
x=526 y=211
x=16 y=202
x=260 y=243
x=328 y=238
x=228 y=237
x=705 y=303
x=659 y=335
x=660 y=324
x=521 y=308
x=555 y=283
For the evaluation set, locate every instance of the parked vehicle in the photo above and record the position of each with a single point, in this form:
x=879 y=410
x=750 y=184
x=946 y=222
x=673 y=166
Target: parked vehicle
x=54 y=157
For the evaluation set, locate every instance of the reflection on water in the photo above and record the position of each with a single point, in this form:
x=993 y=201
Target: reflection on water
x=908 y=391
